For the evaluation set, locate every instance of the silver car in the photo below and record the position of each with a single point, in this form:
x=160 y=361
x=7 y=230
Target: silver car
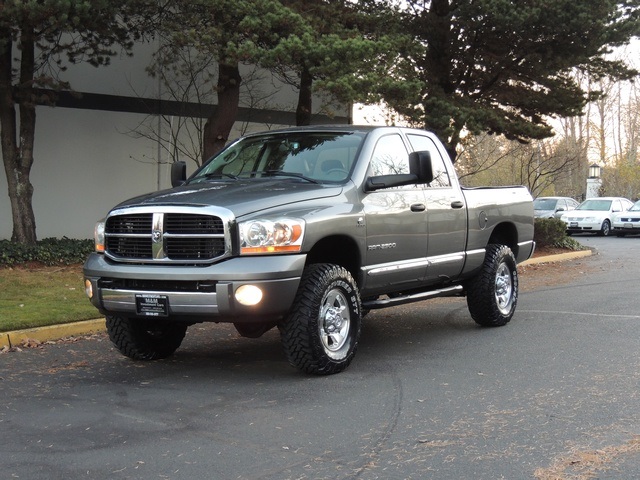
x=552 y=207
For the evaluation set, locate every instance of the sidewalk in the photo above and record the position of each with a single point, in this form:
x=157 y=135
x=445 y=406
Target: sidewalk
x=56 y=332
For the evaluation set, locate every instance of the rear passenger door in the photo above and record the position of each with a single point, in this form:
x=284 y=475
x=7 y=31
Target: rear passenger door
x=446 y=216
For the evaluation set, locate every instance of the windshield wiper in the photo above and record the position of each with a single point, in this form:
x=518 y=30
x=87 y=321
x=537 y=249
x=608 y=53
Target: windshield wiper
x=275 y=173
x=220 y=175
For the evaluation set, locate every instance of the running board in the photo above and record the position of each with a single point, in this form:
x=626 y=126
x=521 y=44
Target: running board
x=416 y=297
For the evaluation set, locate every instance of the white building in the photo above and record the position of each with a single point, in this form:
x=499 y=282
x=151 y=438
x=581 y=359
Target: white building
x=87 y=157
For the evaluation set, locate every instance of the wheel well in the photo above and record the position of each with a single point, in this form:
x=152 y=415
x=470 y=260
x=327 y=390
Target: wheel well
x=506 y=234
x=339 y=250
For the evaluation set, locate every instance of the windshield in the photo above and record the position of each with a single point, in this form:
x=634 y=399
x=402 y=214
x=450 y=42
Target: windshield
x=317 y=157
x=597 y=205
x=545 y=203
x=635 y=207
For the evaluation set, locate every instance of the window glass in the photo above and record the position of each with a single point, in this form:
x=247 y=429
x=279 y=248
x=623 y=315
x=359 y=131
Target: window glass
x=390 y=157
x=421 y=143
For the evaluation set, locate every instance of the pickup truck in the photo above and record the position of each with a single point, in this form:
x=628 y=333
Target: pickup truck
x=306 y=229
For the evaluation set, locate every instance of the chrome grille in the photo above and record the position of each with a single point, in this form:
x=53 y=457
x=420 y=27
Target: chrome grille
x=165 y=237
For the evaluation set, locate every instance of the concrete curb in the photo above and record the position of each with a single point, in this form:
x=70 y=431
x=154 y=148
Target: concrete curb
x=51 y=332
x=56 y=332
x=557 y=258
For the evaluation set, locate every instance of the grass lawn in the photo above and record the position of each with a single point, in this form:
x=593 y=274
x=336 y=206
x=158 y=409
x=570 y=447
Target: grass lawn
x=36 y=296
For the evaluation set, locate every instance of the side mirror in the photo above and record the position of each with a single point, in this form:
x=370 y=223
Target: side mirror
x=178 y=173
x=420 y=166
x=560 y=209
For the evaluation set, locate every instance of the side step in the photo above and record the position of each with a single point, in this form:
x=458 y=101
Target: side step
x=415 y=297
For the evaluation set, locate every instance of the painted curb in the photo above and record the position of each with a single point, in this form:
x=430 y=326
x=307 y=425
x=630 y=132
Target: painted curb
x=557 y=258
x=52 y=332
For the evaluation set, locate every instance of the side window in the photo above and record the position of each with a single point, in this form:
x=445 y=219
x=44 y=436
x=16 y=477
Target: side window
x=420 y=143
x=390 y=156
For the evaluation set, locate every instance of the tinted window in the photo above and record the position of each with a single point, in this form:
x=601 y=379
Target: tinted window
x=390 y=157
x=420 y=143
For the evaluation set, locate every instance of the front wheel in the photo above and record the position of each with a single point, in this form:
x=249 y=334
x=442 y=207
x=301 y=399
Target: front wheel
x=142 y=339
x=320 y=335
x=605 y=229
x=492 y=295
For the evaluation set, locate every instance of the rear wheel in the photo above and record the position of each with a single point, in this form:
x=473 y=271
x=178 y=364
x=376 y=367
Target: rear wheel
x=321 y=333
x=493 y=294
x=142 y=339
x=253 y=330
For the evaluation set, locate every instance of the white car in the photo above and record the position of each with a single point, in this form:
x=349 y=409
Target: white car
x=627 y=222
x=594 y=215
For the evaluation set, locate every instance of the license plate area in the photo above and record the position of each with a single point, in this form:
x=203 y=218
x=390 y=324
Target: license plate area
x=628 y=225
x=152 y=305
x=573 y=224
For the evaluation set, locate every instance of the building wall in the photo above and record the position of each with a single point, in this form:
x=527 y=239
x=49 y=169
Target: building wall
x=87 y=158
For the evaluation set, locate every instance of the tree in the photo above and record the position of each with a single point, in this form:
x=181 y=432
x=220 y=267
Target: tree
x=544 y=167
x=45 y=35
x=503 y=66
x=339 y=47
x=226 y=31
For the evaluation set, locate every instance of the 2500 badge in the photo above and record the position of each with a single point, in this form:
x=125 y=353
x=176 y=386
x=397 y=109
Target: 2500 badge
x=382 y=246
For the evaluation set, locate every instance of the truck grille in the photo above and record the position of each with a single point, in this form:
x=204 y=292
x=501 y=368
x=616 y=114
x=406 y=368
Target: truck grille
x=165 y=237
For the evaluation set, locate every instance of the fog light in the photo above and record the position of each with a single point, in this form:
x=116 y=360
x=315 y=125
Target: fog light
x=248 y=295
x=88 y=288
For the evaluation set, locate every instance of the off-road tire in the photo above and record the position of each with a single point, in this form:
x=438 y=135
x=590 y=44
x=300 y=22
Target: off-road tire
x=253 y=330
x=320 y=335
x=492 y=295
x=142 y=339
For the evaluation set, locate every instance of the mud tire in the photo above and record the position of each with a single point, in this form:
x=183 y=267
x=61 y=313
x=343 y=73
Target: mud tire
x=492 y=295
x=320 y=335
x=142 y=339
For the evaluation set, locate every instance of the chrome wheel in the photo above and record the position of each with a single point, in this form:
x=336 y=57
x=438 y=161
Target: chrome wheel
x=334 y=321
x=504 y=289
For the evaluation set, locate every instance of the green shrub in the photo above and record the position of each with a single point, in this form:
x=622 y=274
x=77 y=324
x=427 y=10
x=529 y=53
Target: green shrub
x=49 y=251
x=549 y=231
x=552 y=232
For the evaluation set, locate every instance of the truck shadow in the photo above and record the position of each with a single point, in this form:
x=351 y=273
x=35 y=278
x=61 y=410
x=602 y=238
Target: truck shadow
x=426 y=330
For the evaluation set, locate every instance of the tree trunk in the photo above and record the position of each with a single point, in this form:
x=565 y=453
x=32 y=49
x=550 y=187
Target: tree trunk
x=303 y=111
x=18 y=157
x=220 y=123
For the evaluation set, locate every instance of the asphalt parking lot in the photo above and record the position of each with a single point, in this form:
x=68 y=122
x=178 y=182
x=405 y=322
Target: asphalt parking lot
x=553 y=395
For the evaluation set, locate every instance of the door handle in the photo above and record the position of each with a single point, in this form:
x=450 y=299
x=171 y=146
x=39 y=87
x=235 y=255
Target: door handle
x=457 y=204
x=418 y=207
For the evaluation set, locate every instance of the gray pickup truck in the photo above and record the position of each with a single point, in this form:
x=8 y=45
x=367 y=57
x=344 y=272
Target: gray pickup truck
x=306 y=229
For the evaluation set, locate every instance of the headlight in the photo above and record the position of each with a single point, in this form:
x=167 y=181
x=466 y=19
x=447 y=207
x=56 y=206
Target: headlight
x=267 y=236
x=98 y=236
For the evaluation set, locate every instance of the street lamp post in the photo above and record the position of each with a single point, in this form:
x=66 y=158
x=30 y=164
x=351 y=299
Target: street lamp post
x=594 y=181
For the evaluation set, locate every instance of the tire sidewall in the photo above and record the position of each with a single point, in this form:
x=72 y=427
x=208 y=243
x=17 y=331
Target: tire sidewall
x=350 y=294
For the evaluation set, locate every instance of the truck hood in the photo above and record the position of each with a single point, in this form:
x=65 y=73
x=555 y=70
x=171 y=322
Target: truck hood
x=240 y=196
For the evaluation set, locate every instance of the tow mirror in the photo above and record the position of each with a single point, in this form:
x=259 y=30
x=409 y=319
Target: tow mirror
x=178 y=173
x=420 y=166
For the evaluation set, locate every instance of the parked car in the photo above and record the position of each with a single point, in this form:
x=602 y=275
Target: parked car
x=628 y=222
x=553 y=207
x=594 y=215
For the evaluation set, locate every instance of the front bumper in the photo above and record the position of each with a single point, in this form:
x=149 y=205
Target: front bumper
x=626 y=227
x=195 y=293
x=581 y=226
